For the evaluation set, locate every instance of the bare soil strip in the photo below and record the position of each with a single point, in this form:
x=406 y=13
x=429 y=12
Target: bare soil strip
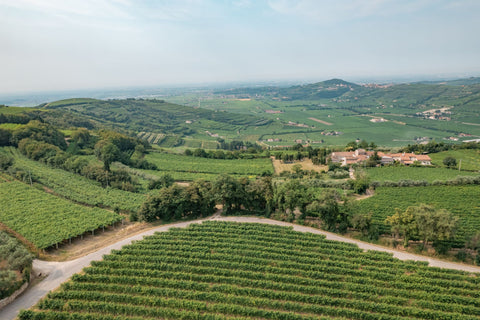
x=321 y=121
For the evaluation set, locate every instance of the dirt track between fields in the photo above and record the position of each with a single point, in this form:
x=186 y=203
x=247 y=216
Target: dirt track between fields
x=58 y=272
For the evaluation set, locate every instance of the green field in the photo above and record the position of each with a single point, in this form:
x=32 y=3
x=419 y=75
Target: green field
x=175 y=164
x=430 y=175
x=76 y=187
x=463 y=201
x=14 y=110
x=44 y=219
x=470 y=158
x=221 y=270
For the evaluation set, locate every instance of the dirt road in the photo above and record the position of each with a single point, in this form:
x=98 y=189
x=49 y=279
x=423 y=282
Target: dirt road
x=59 y=272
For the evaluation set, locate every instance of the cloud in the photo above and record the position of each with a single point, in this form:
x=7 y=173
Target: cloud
x=86 y=8
x=324 y=11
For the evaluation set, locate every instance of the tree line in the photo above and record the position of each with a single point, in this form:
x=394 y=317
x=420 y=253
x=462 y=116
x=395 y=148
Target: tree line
x=41 y=141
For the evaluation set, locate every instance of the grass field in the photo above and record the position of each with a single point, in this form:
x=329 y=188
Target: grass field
x=382 y=174
x=174 y=163
x=14 y=110
x=44 y=219
x=222 y=270
x=463 y=201
x=470 y=158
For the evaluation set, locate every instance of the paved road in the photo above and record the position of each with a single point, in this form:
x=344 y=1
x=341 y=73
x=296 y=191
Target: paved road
x=59 y=272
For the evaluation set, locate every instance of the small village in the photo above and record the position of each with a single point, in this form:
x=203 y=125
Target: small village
x=347 y=158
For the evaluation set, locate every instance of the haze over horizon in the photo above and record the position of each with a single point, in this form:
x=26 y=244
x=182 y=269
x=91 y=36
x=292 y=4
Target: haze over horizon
x=54 y=45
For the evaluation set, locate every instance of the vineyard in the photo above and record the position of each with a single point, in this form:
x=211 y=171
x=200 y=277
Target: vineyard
x=430 y=175
x=463 y=201
x=46 y=220
x=179 y=163
x=470 y=159
x=222 y=270
x=76 y=187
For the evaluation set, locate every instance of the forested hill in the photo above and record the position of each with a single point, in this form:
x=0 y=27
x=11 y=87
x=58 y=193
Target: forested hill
x=154 y=115
x=325 y=89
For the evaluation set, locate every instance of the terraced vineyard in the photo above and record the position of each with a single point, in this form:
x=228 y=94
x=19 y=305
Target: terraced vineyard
x=463 y=201
x=75 y=187
x=179 y=163
x=224 y=270
x=44 y=219
x=430 y=175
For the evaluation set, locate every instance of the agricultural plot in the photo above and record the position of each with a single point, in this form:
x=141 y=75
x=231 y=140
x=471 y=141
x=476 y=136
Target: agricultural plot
x=44 y=219
x=463 y=201
x=179 y=163
x=430 y=175
x=222 y=270
x=470 y=159
x=75 y=187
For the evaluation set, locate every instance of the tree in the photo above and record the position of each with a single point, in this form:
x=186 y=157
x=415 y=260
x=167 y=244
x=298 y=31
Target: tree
x=229 y=192
x=434 y=224
x=425 y=222
x=5 y=161
x=168 y=203
x=361 y=182
x=83 y=138
x=5 y=137
x=327 y=208
x=291 y=195
x=259 y=195
x=351 y=146
x=450 y=162
x=373 y=160
x=403 y=224
x=164 y=181
x=297 y=168
x=107 y=152
x=363 y=144
x=363 y=223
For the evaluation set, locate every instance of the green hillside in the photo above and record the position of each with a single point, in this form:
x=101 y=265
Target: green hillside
x=156 y=116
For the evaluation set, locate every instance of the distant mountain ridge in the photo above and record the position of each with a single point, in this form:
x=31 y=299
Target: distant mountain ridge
x=325 y=89
x=456 y=82
x=336 y=88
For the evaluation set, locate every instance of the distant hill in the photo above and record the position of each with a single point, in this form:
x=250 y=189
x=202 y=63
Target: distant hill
x=155 y=115
x=321 y=90
x=456 y=82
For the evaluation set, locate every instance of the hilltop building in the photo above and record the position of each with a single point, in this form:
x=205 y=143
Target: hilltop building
x=360 y=155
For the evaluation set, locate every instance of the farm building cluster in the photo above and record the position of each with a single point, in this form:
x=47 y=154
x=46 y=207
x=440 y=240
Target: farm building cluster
x=360 y=155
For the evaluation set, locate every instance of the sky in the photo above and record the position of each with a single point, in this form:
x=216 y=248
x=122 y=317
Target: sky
x=48 y=45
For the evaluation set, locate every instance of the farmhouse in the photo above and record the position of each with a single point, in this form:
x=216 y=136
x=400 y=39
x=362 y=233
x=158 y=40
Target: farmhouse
x=360 y=155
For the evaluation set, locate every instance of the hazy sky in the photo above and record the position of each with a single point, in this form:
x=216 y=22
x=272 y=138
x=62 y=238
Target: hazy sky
x=69 y=44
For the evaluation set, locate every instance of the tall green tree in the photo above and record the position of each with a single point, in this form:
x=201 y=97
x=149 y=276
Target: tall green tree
x=229 y=192
x=450 y=162
x=434 y=224
x=424 y=222
x=326 y=206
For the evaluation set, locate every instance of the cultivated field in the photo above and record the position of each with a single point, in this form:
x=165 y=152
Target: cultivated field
x=171 y=163
x=222 y=270
x=74 y=186
x=44 y=219
x=382 y=174
x=470 y=159
x=463 y=201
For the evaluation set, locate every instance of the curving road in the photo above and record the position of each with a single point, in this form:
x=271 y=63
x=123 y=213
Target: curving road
x=59 y=272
